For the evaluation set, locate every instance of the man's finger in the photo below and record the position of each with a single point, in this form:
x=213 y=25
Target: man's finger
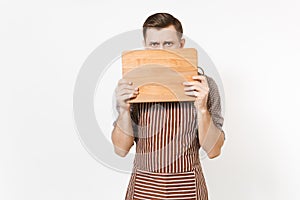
x=126 y=91
x=191 y=88
x=190 y=83
x=197 y=87
x=192 y=93
x=127 y=97
x=124 y=81
x=200 y=78
x=126 y=87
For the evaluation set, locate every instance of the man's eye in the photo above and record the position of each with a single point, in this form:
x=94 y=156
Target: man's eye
x=154 y=44
x=168 y=44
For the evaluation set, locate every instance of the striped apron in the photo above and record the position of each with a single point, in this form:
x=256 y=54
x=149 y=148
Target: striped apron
x=166 y=163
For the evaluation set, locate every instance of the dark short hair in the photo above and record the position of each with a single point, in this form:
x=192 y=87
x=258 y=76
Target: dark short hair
x=162 y=20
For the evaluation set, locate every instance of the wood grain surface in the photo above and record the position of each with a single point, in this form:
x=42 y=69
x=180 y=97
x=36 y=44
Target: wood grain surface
x=159 y=74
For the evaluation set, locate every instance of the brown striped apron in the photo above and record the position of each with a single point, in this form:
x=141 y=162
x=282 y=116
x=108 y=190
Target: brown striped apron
x=166 y=163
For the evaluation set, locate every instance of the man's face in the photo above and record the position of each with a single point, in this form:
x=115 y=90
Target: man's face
x=164 y=38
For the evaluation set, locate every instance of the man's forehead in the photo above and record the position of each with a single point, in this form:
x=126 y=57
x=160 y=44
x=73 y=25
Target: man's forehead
x=165 y=34
x=169 y=29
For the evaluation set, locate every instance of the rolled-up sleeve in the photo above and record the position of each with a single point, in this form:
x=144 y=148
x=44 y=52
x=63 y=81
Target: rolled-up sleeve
x=214 y=104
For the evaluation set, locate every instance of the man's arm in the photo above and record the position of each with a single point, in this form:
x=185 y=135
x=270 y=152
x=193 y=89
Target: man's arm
x=210 y=137
x=208 y=106
x=122 y=134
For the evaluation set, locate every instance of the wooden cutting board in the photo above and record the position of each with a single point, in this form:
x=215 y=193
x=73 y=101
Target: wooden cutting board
x=159 y=74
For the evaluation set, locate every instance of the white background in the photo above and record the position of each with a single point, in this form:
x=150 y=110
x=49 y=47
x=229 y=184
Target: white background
x=255 y=46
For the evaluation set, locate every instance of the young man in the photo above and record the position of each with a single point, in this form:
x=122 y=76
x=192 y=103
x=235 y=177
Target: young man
x=168 y=135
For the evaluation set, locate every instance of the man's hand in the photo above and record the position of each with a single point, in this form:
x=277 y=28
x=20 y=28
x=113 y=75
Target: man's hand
x=199 y=89
x=124 y=92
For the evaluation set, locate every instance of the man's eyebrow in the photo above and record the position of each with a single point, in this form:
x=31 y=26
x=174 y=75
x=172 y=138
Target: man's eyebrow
x=165 y=42
x=170 y=41
x=153 y=42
